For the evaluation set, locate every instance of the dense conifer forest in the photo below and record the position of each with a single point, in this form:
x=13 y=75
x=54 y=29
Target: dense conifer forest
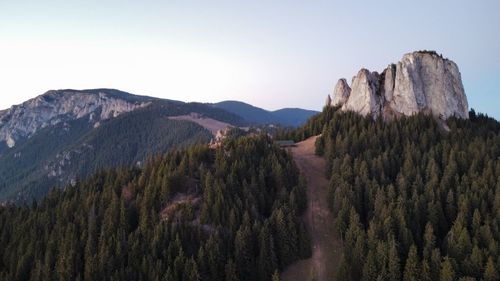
x=230 y=213
x=415 y=198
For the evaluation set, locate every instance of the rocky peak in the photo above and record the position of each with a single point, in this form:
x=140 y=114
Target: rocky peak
x=22 y=121
x=364 y=97
x=341 y=93
x=328 y=100
x=421 y=82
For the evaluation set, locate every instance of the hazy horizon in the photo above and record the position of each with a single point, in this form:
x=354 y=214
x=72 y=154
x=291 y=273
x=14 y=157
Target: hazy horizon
x=271 y=55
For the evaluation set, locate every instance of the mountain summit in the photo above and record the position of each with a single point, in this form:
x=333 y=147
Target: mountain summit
x=422 y=81
x=56 y=106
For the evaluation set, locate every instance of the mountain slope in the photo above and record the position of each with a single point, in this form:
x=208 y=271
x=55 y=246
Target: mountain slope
x=294 y=116
x=256 y=115
x=409 y=192
x=63 y=135
x=183 y=216
x=248 y=112
x=21 y=121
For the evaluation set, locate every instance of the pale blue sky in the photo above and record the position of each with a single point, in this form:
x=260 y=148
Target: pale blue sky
x=272 y=54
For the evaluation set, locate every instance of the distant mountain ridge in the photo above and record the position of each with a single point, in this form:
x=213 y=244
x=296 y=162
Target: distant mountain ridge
x=286 y=116
x=62 y=135
x=294 y=116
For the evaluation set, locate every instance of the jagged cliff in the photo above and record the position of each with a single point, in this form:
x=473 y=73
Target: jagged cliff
x=53 y=107
x=421 y=82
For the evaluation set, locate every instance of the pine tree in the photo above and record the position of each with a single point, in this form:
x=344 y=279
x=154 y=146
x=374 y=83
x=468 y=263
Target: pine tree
x=426 y=274
x=244 y=254
x=370 y=268
x=394 y=266
x=490 y=271
x=447 y=273
x=412 y=267
x=476 y=262
x=214 y=257
x=435 y=264
x=267 y=261
x=429 y=241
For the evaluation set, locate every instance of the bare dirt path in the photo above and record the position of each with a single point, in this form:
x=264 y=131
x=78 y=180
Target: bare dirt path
x=325 y=242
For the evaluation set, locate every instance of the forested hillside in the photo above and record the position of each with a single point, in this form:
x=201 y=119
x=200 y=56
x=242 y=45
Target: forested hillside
x=414 y=199
x=200 y=214
x=58 y=154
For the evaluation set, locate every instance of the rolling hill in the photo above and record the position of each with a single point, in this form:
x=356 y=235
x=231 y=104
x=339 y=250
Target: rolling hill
x=286 y=117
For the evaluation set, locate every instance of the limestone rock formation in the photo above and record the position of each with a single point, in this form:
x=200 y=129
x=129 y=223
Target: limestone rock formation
x=341 y=93
x=421 y=82
x=328 y=100
x=364 y=97
x=22 y=121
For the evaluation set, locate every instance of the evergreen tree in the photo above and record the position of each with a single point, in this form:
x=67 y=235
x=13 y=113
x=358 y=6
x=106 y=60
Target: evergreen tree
x=412 y=268
x=447 y=272
x=490 y=271
x=394 y=266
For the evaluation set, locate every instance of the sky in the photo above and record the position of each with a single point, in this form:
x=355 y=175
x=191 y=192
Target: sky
x=272 y=54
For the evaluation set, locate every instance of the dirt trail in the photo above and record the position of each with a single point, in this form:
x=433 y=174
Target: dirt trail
x=325 y=242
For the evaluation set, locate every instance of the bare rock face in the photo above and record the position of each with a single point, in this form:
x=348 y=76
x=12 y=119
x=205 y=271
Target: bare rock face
x=22 y=121
x=328 y=101
x=389 y=75
x=341 y=93
x=364 y=97
x=421 y=82
x=427 y=82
